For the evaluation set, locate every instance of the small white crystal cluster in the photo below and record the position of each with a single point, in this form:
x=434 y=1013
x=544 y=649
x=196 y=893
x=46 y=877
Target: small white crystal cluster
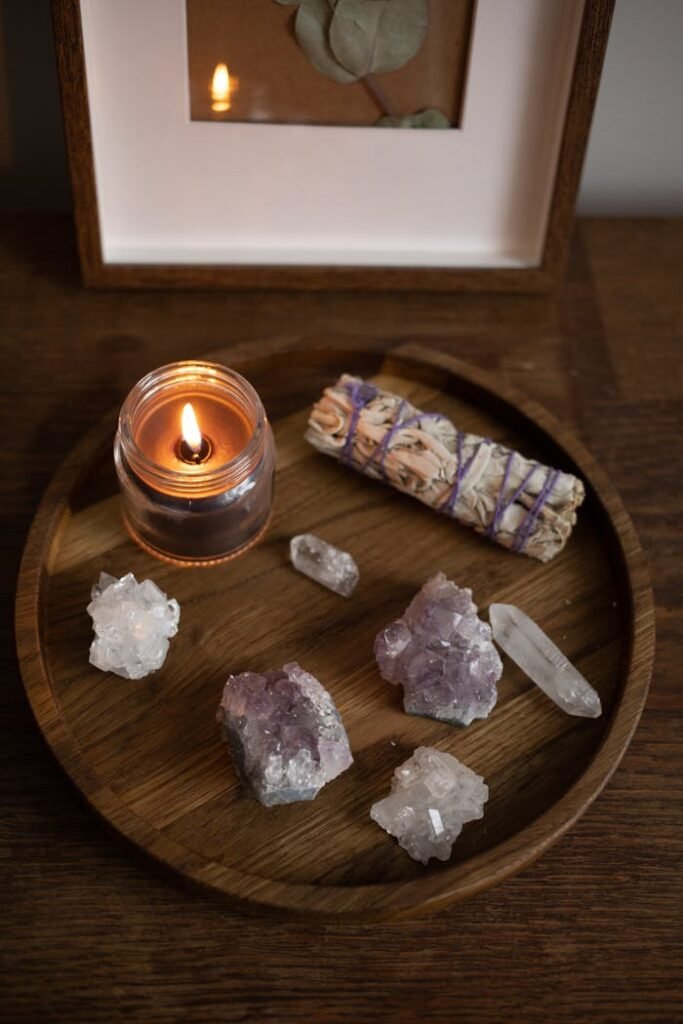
x=133 y=623
x=432 y=796
x=324 y=563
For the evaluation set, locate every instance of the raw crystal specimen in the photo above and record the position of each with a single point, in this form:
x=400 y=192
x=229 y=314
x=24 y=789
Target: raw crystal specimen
x=324 y=563
x=133 y=623
x=285 y=733
x=543 y=662
x=442 y=654
x=516 y=502
x=432 y=796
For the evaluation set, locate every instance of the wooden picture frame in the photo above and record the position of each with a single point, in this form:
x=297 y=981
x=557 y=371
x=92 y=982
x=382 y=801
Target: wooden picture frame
x=97 y=272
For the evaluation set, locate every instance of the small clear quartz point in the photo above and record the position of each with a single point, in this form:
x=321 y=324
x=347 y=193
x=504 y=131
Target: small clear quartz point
x=324 y=563
x=543 y=662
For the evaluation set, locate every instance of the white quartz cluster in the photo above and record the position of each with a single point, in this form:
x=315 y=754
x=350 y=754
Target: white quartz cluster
x=133 y=623
x=432 y=796
x=324 y=563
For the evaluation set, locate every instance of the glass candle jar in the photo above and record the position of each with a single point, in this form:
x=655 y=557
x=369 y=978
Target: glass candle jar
x=195 y=459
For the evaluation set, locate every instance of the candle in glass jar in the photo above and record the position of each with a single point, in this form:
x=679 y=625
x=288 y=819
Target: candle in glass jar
x=195 y=458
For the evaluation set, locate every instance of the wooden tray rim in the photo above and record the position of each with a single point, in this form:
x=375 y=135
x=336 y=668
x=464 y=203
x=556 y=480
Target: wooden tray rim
x=380 y=900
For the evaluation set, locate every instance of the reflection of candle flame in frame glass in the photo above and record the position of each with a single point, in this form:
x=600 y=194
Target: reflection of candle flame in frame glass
x=220 y=89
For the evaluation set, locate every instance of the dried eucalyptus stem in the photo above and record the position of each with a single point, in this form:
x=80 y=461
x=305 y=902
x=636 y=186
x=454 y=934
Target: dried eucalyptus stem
x=379 y=96
x=520 y=504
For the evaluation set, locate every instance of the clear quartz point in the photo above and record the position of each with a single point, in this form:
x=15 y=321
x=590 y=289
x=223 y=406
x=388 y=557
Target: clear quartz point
x=324 y=563
x=543 y=662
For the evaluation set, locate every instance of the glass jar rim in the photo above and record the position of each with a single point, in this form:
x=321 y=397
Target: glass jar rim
x=191 y=371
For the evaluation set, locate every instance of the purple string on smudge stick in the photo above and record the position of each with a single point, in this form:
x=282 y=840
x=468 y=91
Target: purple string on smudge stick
x=452 y=496
x=410 y=422
x=502 y=505
x=531 y=518
x=448 y=506
x=382 y=450
x=360 y=395
x=498 y=510
x=383 y=447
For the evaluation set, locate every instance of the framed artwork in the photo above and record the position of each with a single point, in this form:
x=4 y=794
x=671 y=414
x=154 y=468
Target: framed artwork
x=433 y=144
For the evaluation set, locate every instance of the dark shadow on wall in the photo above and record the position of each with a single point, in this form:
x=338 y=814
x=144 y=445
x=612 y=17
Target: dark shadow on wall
x=33 y=168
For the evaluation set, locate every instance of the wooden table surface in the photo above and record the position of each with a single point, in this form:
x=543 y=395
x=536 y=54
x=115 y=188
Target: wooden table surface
x=594 y=930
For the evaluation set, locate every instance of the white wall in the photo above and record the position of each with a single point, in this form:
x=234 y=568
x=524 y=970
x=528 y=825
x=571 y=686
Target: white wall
x=634 y=163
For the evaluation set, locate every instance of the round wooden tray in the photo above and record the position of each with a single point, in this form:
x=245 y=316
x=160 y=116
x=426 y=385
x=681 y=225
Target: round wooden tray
x=147 y=755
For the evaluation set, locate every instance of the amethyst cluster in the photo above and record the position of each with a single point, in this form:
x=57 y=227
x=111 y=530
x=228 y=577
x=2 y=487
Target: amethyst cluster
x=285 y=733
x=442 y=654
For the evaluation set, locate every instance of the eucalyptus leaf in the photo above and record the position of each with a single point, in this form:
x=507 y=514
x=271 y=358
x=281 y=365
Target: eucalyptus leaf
x=430 y=118
x=377 y=35
x=312 y=28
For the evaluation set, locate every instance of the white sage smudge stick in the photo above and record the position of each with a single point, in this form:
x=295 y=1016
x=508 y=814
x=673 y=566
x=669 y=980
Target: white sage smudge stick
x=521 y=504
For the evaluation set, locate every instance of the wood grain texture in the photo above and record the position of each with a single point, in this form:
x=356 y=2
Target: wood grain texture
x=592 y=931
x=148 y=756
x=586 y=78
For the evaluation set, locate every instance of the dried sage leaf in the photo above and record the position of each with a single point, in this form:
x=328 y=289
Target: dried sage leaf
x=312 y=28
x=430 y=118
x=369 y=36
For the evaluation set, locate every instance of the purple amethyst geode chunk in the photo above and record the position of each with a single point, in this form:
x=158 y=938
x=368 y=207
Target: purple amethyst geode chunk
x=285 y=734
x=442 y=654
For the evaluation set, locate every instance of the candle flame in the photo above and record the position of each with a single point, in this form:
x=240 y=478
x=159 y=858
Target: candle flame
x=220 y=89
x=192 y=435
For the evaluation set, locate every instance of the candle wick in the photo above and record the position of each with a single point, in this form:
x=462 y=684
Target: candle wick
x=192 y=455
